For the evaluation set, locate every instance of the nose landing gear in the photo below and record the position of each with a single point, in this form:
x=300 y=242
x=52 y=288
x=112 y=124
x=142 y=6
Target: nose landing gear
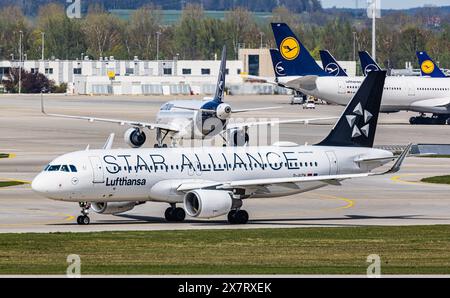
x=84 y=219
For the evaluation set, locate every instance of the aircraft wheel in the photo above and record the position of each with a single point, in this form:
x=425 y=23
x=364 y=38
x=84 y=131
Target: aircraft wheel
x=168 y=214
x=238 y=217
x=83 y=220
x=178 y=214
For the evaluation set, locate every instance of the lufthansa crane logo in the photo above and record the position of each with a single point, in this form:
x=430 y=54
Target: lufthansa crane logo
x=289 y=48
x=427 y=66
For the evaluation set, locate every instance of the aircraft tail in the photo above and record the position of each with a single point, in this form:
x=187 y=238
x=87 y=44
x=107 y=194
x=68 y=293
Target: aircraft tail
x=220 y=87
x=367 y=63
x=330 y=65
x=297 y=61
x=357 y=125
x=428 y=67
x=277 y=63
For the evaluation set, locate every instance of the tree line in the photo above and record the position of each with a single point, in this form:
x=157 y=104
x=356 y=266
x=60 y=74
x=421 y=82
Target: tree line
x=197 y=36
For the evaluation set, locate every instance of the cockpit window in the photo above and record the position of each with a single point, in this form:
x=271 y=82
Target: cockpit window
x=73 y=168
x=65 y=168
x=53 y=168
x=46 y=167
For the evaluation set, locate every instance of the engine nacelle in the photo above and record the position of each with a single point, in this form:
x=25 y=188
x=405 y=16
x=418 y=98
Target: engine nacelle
x=207 y=203
x=134 y=137
x=112 y=207
x=238 y=138
x=223 y=111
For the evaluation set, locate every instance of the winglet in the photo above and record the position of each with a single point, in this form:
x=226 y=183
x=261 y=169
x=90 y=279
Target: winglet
x=398 y=163
x=109 y=142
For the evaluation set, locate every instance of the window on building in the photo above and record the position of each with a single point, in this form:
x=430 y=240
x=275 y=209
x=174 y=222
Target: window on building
x=187 y=71
x=34 y=70
x=49 y=71
x=238 y=71
x=167 y=71
x=227 y=71
x=253 y=65
x=77 y=71
x=206 y=71
x=129 y=71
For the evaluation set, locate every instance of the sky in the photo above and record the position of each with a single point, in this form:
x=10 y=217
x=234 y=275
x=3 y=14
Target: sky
x=385 y=4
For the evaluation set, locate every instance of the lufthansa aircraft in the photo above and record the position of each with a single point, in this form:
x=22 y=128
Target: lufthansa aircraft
x=213 y=181
x=191 y=119
x=301 y=72
x=367 y=63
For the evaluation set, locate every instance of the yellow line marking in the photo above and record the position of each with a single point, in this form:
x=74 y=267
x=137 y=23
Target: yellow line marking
x=398 y=179
x=15 y=180
x=67 y=217
x=350 y=203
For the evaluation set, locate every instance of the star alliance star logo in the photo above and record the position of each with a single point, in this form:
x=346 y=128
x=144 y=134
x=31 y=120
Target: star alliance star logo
x=351 y=119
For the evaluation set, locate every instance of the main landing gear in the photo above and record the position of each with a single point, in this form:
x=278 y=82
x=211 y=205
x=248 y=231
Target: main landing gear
x=239 y=217
x=174 y=214
x=84 y=219
x=435 y=119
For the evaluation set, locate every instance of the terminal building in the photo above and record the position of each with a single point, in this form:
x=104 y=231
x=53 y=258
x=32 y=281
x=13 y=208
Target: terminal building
x=166 y=77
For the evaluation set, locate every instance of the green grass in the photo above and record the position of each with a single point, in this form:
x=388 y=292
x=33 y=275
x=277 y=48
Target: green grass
x=437 y=179
x=403 y=250
x=436 y=156
x=10 y=183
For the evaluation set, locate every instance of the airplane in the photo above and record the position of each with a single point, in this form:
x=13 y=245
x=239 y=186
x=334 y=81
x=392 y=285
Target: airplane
x=422 y=95
x=214 y=181
x=191 y=119
x=367 y=63
x=330 y=64
x=428 y=67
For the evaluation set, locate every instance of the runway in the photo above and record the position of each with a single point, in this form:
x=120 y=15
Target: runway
x=398 y=199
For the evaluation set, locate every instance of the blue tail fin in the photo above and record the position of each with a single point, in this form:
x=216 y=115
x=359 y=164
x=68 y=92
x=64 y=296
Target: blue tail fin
x=297 y=61
x=218 y=97
x=357 y=125
x=428 y=67
x=367 y=63
x=330 y=65
x=277 y=63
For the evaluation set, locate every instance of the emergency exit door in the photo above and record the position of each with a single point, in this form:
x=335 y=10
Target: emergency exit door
x=97 y=169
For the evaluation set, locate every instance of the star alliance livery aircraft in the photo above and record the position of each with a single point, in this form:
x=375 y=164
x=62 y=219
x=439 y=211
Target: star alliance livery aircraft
x=422 y=95
x=214 y=181
x=191 y=119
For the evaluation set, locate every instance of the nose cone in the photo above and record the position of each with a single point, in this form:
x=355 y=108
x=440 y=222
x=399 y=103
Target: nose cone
x=40 y=185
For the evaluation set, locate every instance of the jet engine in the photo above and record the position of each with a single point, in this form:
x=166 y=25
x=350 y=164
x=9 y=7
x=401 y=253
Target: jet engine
x=134 y=137
x=223 y=111
x=238 y=137
x=207 y=203
x=112 y=207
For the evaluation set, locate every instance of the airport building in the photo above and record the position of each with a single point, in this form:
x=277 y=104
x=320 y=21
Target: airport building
x=166 y=77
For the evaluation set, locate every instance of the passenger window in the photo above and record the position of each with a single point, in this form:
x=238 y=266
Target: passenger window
x=74 y=168
x=53 y=168
x=64 y=168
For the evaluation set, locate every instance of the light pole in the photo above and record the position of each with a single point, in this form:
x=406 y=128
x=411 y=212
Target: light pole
x=158 y=33
x=261 y=34
x=354 y=46
x=43 y=46
x=20 y=61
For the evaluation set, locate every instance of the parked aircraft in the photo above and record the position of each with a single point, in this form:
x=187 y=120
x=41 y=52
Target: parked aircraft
x=428 y=67
x=214 y=181
x=422 y=95
x=191 y=119
x=331 y=65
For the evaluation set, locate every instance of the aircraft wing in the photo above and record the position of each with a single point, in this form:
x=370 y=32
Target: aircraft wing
x=258 y=183
x=275 y=122
x=148 y=125
x=305 y=83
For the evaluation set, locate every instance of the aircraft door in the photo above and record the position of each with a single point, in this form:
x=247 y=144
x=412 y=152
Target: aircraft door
x=411 y=90
x=341 y=87
x=333 y=162
x=97 y=169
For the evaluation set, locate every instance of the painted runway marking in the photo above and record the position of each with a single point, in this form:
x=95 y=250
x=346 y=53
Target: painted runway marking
x=398 y=179
x=350 y=203
x=66 y=217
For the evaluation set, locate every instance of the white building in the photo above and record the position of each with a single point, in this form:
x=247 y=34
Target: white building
x=138 y=77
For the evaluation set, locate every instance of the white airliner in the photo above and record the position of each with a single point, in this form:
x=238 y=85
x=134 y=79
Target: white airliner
x=192 y=119
x=213 y=181
x=301 y=72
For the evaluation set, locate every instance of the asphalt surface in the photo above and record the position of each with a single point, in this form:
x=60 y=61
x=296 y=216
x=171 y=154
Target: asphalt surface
x=35 y=139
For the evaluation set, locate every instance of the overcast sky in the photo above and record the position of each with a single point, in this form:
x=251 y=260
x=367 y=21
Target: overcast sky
x=385 y=4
